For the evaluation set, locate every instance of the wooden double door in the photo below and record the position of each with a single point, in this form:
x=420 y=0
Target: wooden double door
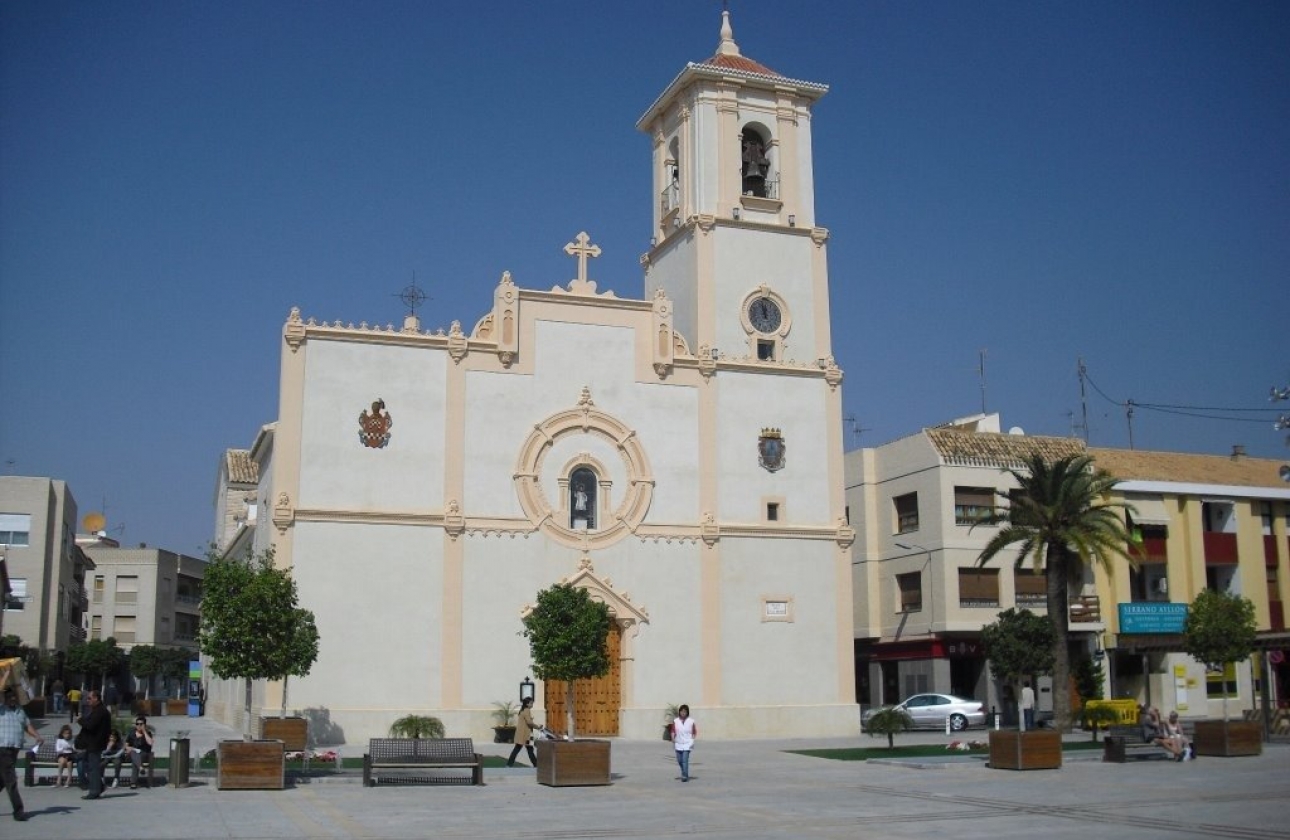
x=596 y=701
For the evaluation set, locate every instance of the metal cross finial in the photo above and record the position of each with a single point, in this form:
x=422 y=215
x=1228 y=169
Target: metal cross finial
x=412 y=296
x=582 y=249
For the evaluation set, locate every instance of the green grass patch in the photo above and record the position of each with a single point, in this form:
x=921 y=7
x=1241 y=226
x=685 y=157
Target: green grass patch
x=916 y=751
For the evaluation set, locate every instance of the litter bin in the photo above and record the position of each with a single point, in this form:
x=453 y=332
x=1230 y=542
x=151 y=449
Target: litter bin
x=178 y=775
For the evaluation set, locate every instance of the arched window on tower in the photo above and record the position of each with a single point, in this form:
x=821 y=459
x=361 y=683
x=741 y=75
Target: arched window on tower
x=756 y=162
x=583 y=484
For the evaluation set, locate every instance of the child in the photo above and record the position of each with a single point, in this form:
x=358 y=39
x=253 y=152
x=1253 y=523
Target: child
x=66 y=753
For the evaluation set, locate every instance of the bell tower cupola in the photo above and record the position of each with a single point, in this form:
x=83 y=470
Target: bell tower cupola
x=734 y=234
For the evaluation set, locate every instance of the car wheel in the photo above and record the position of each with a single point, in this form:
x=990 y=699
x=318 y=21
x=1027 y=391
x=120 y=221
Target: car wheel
x=958 y=723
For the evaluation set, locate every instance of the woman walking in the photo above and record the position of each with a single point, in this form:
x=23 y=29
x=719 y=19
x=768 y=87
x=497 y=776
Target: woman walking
x=684 y=731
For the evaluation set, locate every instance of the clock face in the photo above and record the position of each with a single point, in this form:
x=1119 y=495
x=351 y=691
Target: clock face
x=763 y=314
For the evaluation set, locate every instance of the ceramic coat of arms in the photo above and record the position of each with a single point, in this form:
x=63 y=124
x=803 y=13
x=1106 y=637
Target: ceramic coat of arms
x=374 y=427
x=770 y=449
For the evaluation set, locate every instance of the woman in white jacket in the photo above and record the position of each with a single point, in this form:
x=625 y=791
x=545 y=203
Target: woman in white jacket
x=684 y=731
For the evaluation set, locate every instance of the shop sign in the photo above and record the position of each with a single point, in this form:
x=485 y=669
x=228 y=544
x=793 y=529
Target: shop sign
x=1152 y=618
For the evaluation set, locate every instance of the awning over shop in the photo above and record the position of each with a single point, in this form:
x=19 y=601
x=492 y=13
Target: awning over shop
x=1148 y=510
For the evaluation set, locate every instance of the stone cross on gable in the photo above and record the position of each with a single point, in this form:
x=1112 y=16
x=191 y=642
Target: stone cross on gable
x=582 y=249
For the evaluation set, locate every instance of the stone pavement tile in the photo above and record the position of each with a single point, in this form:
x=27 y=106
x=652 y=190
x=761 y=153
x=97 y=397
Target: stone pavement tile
x=749 y=790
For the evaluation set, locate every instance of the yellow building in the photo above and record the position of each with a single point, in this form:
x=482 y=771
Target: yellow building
x=1204 y=521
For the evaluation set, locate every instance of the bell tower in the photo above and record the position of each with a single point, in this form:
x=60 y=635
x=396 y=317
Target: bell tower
x=734 y=243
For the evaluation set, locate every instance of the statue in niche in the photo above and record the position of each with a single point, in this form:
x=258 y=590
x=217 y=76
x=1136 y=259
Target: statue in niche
x=582 y=499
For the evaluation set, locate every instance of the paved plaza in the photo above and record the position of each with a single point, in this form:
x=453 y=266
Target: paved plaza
x=746 y=790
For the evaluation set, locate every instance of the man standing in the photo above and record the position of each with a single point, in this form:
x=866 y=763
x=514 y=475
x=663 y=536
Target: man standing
x=1028 y=705
x=14 y=726
x=56 y=689
x=96 y=724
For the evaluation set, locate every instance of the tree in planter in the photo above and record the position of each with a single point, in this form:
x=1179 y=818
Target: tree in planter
x=145 y=664
x=1060 y=514
x=1019 y=644
x=889 y=722
x=174 y=666
x=252 y=625
x=567 y=632
x=1219 y=630
x=96 y=657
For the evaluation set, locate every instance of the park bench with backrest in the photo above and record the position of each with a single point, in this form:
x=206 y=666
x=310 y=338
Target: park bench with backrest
x=1124 y=741
x=401 y=759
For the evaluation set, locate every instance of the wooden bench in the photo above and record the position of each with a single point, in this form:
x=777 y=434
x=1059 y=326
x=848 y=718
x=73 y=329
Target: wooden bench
x=409 y=754
x=1123 y=741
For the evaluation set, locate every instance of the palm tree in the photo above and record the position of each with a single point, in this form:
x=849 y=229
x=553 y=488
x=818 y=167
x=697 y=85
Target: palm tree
x=1061 y=517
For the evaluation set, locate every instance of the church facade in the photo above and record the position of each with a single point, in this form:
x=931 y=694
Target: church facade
x=680 y=456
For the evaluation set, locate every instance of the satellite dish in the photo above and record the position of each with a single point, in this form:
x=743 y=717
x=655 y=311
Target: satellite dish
x=1284 y=472
x=94 y=522
x=1016 y=430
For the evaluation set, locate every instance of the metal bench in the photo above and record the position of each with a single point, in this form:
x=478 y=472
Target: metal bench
x=1122 y=742
x=405 y=755
x=43 y=758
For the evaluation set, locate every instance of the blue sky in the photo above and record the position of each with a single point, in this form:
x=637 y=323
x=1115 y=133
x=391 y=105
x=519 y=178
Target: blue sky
x=1044 y=180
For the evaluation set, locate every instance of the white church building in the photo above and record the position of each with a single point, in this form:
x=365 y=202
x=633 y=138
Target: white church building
x=423 y=486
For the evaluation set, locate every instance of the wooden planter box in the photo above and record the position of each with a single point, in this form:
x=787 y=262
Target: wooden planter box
x=293 y=732
x=1036 y=749
x=567 y=763
x=151 y=708
x=177 y=707
x=1231 y=737
x=251 y=765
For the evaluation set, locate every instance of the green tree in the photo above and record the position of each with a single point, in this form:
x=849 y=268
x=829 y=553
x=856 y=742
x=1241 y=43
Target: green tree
x=1220 y=629
x=567 y=632
x=889 y=722
x=145 y=664
x=1061 y=518
x=174 y=666
x=252 y=625
x=97 y=657
x=1019 y=644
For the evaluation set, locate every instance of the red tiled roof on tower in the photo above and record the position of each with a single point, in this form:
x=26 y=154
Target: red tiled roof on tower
x=728 y=56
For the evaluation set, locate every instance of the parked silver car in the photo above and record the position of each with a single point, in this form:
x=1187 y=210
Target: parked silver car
x=929 y=711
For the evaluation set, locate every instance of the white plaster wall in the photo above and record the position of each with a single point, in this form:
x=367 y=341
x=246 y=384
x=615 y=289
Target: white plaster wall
x=375 y=593
x=749 y=258
x=341 y=381
x=777 y=662
x=797 y=407
x=675 y=272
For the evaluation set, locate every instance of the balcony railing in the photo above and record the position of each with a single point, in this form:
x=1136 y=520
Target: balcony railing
x=1085 y=609
x=76 y=634
x=1220 y=548
x=671 y=198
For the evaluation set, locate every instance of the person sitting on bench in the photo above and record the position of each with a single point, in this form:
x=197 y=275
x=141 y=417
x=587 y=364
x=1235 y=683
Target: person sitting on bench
x=138 y=748
x=1153 y=732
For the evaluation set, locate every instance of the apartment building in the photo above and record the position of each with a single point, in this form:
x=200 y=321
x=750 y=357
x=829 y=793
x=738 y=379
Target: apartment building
x=46 y=604
x=921 y=600
x=143 y=596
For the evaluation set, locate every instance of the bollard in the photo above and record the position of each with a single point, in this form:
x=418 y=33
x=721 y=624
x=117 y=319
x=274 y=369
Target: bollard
x=995 y=712
x=948 y=728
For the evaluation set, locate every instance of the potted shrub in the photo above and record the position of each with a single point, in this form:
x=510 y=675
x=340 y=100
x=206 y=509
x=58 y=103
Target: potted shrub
x=253 y=628
x=504 y=712
x=1020 y=644
x=417 y=726
x=1220 y=630
x=567 y=630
